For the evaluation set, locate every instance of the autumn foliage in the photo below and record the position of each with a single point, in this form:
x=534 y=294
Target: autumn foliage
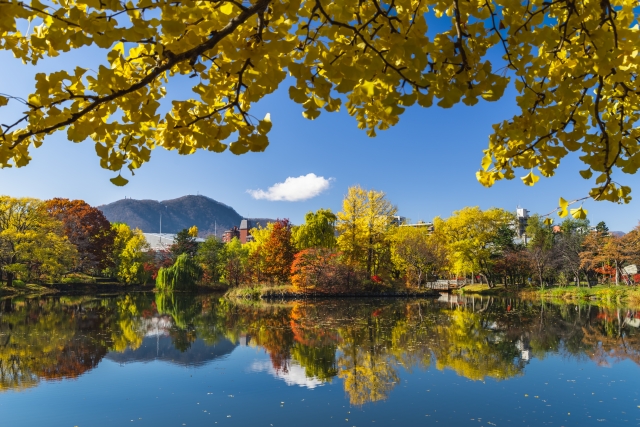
x=88 y=229
x=318 y=270
x=279 y=252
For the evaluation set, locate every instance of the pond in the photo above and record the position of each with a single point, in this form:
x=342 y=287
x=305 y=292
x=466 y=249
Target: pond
x=158 y=360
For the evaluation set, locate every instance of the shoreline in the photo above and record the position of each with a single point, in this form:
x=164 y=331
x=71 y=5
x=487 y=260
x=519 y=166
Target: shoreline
x=89 y=289
x=259 y=292
x=603 y=294
x=263 y=292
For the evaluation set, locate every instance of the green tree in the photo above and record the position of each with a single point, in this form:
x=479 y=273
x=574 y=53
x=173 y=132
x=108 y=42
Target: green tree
x=601 y=227
x=318 y=230
x=210 y=255
x=185 y=243
x=540 y=246
x=235 y=259
x=183 y=275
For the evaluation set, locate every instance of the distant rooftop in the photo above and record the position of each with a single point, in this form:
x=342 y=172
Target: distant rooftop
x=160 y=242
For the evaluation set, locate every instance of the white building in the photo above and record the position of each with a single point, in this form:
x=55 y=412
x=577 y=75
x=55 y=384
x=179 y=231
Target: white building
x=162 y=241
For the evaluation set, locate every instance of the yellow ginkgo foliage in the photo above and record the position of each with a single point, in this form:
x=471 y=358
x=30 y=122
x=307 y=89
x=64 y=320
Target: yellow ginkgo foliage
x=574 y=67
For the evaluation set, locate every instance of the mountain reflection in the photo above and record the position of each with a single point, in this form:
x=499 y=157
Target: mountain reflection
x=366 y=343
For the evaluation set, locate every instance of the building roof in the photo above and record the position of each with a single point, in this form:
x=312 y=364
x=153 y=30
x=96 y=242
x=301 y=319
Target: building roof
x=161 y=242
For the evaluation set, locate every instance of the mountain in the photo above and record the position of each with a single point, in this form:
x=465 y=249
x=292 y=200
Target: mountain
x=205 y=213
x=163 y=348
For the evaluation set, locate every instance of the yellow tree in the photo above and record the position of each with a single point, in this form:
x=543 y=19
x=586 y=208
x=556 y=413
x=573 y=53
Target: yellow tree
x=130 y=248
x=364 y=224
x=574 y=68
x=471 y=236
x=418 y=253
x=32 y=243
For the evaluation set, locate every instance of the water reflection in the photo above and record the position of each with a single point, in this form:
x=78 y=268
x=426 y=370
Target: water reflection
x=365 y=343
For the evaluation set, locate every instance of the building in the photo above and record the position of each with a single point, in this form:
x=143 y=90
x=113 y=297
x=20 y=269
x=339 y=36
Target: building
x=522 y=217
x=245 y=231
x=228 y=235
x=420 y=224
x=398 y=220
x=162 y=241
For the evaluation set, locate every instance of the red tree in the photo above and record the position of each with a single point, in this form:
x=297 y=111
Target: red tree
x=88 y=229
x=278 y=252
x=319 y=270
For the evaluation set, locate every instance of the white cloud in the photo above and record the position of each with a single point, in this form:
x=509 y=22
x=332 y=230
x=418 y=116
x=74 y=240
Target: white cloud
x=293 y=375
x=294 y=189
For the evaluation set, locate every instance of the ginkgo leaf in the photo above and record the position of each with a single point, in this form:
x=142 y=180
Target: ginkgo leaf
x=548 y=221
x=3 y=101
x=579 y=213
x=486 y=161
x=227 y=8
x=119 y=181
x=265 y=124
x=563 y=208
x=311 y=114
x=530 y=179
x=586 y=174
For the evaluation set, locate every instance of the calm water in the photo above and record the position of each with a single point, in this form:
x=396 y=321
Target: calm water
x=202 y=361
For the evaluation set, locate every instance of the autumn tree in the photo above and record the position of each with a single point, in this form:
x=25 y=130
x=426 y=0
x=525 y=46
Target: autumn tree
x=129 y=254
x=318 y=270
x=32 y=243
x=88 y=229
x=380 y=58
x=318 y=230
x=278 y=252
x=475 y=238
x=364 y=224
x=418 y=253
x=256 y=261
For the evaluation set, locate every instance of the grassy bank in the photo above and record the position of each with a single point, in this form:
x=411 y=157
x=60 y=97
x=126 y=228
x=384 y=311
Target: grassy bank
x=605 y=294
x=482 y=289
x=90 y=289
x=267 y=291
x=601 y=293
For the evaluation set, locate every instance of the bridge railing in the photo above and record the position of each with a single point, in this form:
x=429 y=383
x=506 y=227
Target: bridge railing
x=445 y=284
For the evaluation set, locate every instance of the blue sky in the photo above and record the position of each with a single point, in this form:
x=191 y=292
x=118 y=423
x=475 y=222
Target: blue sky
x=426 y=164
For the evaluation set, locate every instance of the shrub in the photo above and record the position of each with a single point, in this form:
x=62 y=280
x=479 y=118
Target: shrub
x=18 y=283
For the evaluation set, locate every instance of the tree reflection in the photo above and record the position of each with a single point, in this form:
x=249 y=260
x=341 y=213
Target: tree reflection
x=367 y=344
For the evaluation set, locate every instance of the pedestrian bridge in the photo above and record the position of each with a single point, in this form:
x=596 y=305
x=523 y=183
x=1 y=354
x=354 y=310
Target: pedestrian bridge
x=446 y=285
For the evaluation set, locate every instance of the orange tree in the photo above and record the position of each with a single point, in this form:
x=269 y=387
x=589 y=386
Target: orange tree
x=88 y=229
x=278 y=252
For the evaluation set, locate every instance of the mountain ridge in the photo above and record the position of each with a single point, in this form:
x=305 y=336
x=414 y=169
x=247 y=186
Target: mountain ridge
x=209 y=215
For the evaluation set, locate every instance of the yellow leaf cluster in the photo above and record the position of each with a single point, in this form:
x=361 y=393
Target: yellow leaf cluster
x=574 y=69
